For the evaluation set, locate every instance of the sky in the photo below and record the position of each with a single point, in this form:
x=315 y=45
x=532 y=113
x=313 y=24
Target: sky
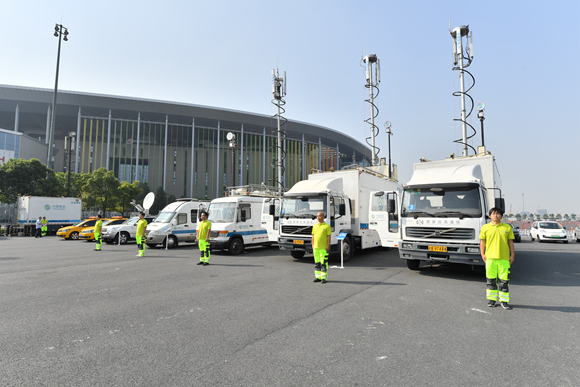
x=221 y=53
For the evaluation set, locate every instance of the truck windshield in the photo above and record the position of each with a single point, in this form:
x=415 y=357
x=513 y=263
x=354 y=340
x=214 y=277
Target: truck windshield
x=222 y=212
x=303 y=207
x=444 y=202
x=164 y=217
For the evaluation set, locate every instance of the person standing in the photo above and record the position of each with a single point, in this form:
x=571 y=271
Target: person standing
x=203 y=232
x=141 y=226
x=98 y=236
x=321 y=233
x=38 y=227
x=497 y=251
x=44 y=226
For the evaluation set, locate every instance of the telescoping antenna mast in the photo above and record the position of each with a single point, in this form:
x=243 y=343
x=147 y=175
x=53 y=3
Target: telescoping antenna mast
x=279 y=91
x=459 y=54
x=372 y=83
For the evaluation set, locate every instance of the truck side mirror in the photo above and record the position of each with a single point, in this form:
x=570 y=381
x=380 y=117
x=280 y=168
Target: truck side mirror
x=391 y=206
x=272 y=210
x=174 y=222
x=500 y=203
x=341 y=209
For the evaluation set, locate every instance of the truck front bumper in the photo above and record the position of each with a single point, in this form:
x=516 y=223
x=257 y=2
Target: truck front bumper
x=455 y=253
x=295 y=243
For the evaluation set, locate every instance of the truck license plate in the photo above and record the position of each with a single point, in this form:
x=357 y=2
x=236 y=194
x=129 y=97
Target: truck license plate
x=298 y=242
x=442 y=249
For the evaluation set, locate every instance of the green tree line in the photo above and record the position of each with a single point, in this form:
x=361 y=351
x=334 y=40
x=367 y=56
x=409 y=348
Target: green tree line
x=100 y=190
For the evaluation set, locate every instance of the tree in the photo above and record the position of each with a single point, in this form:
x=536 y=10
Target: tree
x=545 y=217
x=573 y=216
x=171 y=199
x=160 y=201
x=77 y=181
x=558 y=216
x=551 y=216
x=518 y=217
x=524 y=216
x=125 y=194
x=20 y=177
x=145 y=190
x=101 y=190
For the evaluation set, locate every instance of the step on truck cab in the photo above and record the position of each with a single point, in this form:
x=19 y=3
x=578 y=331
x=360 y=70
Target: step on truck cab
x=237 y=220
x=361 y=202
x=175 y=224
x=444 y=206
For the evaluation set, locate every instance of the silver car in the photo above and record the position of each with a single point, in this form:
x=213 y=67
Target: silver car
x=122 y=233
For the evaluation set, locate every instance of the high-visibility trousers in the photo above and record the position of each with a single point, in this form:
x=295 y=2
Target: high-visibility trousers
x=141 y=245
x=497 y=272
x=204 y=250
x=99 y=240
x=44 y=230
x=320 y=264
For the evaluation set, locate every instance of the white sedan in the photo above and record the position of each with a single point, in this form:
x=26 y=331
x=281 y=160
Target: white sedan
x=548 y=231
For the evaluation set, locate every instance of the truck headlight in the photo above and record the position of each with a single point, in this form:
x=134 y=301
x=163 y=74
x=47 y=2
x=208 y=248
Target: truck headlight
x=472 y=249
x=282 y=240
x=407 y=246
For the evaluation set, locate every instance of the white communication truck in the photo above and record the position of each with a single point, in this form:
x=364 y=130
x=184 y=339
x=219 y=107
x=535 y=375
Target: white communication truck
x=59 y=212
x=361 y=202
x=176 y=223
x=237 y=220
x=444 y=206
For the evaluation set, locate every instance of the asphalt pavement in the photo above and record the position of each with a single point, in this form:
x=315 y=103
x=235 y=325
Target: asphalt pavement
x=75 y=317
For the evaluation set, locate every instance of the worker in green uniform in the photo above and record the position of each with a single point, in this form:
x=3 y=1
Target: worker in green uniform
x=141 y=226
x=321 y=233
x=98 y=236
x=202 y=238
x=497 y=251
x=44 y=228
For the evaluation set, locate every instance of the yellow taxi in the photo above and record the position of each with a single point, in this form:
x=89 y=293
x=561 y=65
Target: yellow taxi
x=88 y=233
x=73 y=232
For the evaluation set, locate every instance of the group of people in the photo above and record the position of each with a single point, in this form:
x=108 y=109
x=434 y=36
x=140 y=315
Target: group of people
x=141 y=226
x=41 y=227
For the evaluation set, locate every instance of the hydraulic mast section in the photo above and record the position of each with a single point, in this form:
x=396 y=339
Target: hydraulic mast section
x=279 y=91
x=373 y=84
x=458 y=33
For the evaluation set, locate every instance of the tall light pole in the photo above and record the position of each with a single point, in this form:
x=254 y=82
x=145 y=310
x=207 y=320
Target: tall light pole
x=68 y=147
x=232 y=139
x=390 y=133
x=59 y=31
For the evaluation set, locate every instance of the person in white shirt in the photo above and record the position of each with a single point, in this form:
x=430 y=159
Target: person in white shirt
x=38 y=227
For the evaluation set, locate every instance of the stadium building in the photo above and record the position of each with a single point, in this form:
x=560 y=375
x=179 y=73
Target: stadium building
x=180 y=147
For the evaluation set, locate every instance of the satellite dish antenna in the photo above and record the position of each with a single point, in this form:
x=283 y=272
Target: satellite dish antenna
x=148 y=201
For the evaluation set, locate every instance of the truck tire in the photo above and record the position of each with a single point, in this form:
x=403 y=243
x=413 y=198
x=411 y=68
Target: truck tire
x=413 y=264
x=348 y=249
x=74 y=236
x=123 y=238
x=236 y=246
x=297 y=254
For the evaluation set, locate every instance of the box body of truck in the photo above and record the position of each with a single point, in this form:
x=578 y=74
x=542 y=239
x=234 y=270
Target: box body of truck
x=59 y=212
x=444 y=206
x=353 y=201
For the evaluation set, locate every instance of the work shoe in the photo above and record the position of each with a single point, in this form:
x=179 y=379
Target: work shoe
x=323 y=281
x=491 y=303
x=200 y=263
x=506 y=306
x=316 y=280
x=97 y=250
x=206 y=264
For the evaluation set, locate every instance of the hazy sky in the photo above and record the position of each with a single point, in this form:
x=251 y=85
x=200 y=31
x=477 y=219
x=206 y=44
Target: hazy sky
x=221 y=53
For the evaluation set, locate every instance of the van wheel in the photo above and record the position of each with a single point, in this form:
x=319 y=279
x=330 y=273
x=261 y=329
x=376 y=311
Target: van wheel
x=413 y=264
x=170 y=241
x=236 y=246
x=297 y=254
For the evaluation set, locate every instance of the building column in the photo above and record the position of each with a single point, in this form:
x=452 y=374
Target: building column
x=319 y=154
x=217 y=184
x=108 y=140
x=264 y=159
x=303 y=159
x=48 y=124
x=78 y=138
x=136 y=175
x=165 y=152
x=16 y=118
x=192 y=156
x=242 y=160
x=337 y=166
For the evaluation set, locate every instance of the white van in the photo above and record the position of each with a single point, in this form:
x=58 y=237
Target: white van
x=175 y=224
x=236 y=220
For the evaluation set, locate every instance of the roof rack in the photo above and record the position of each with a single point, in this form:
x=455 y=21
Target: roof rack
x=366 y=170
x=261 y=190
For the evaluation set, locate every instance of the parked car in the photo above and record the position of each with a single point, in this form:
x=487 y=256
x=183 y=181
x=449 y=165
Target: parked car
x=88 y=234
x=124 y=232
x=517 y=236
x=548 y=231
x=73 y=232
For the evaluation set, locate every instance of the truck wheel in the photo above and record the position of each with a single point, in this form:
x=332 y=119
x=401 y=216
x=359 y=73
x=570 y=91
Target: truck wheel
x=171 y=242
x=565 y=242
x=297 y=254
x=74 y=236
x=123 y=238
x=347 y=250
x=236 y=246
x=413 y=264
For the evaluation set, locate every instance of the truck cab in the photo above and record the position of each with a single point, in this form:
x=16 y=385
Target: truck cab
x=175 y=224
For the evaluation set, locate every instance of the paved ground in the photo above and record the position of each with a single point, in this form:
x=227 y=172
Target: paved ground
x=73 y=317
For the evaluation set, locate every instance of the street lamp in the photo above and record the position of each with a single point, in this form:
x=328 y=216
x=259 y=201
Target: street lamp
x=232 y=139
x=59 y=31
x=68 y=148
x=390 y=133
x=481 y=108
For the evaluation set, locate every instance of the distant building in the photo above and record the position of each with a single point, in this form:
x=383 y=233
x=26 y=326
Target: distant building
x=15 y=145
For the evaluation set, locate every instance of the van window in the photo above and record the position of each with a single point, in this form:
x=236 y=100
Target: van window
x=181 y=218
x=394 y=217
x=247 y=209
x=193 y=216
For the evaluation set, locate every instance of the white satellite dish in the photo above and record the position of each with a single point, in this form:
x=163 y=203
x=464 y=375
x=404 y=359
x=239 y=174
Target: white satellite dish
x=148 y=201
